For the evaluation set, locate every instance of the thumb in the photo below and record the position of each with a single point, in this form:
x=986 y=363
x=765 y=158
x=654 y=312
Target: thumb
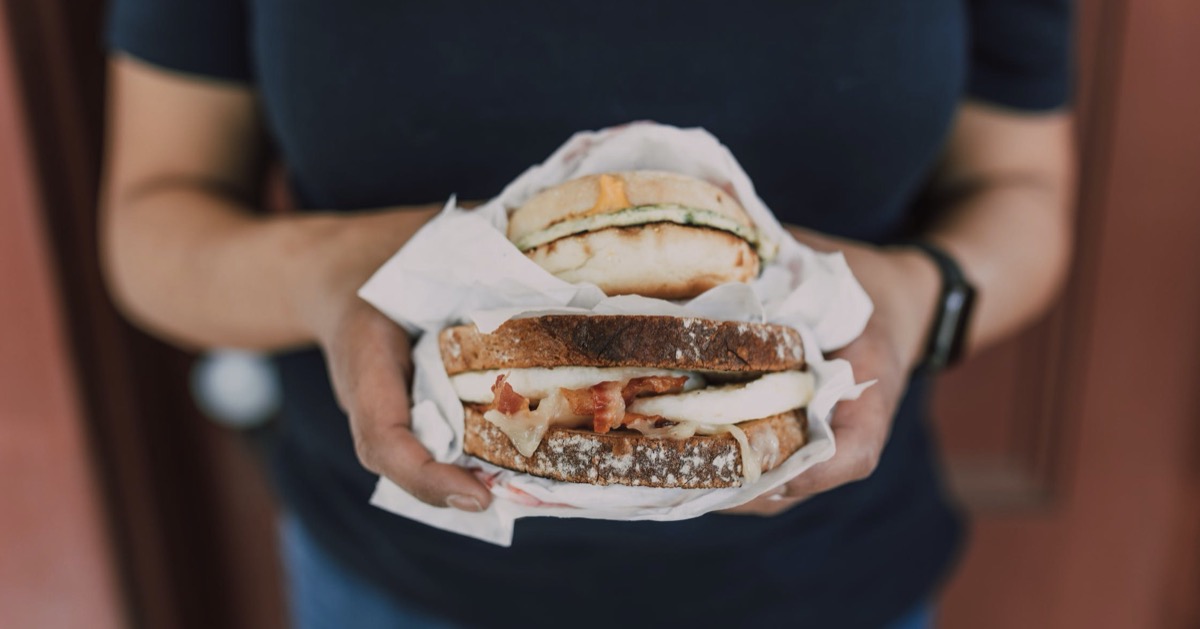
x=394 y=453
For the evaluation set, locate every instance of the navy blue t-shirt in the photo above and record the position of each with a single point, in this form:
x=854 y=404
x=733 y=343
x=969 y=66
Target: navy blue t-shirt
x=836 y=109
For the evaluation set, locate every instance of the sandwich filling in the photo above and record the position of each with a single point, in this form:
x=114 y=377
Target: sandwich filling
x=643 y=215
x=659 y=403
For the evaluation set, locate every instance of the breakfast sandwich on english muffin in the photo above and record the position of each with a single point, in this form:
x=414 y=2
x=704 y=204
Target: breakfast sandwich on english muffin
x=643 y=232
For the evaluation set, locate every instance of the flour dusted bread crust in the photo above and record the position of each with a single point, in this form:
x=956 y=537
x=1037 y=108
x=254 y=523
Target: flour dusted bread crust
x=650 y=233
x=664 y=342
x=629 y=458
x=684 y=261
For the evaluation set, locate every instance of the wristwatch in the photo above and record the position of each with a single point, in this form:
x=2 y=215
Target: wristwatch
x=948 y=336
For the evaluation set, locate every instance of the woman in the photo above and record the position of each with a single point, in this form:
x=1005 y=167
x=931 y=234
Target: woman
x=866 y=123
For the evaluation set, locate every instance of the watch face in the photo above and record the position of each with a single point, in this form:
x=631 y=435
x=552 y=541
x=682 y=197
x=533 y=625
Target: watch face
x=950 y=332
x=959 y=304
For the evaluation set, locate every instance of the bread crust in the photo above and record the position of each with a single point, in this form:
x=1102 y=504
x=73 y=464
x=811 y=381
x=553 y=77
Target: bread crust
x=623 y=341
x=662 y=260
x=642 y=187
x=629 y=458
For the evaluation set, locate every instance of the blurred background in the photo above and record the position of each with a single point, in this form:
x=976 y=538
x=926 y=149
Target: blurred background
x=1075 y=447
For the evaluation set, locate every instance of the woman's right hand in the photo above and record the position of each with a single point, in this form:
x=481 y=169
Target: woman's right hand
x=370 y=364
x=370 y=357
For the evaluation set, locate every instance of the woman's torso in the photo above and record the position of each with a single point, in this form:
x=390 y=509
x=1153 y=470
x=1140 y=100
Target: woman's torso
x=837 y=110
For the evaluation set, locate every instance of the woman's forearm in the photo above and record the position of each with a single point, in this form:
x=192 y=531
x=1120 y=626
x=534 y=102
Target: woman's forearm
x=1009 y=184
x=1006 y=218
x=184 y=255
x=199 y=268
x=1014 y=243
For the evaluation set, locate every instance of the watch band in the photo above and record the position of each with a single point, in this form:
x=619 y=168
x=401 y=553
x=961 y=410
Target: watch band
x=947 y=337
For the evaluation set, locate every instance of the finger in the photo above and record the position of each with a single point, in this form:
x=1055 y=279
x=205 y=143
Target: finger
x=758 y=506
x=857 y=431
x=860 y=429
x=395 y=454
x=381 y=426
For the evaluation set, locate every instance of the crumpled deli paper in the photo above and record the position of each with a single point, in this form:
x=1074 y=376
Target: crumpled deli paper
x=460 y=267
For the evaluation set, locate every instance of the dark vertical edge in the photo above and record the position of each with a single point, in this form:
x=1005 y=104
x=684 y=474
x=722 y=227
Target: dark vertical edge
x=142 y=431
x=1099 y=53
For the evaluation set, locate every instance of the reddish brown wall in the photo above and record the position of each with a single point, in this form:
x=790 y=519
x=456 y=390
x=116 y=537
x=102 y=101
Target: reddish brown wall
x=1114 y=544
x=56 y=569
x=192 y=523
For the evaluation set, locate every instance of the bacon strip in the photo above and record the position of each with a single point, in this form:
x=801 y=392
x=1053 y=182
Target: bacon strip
x=608 y=406
x=580 y=400
x=653 y=385
x=505 y=400
x=604 y=402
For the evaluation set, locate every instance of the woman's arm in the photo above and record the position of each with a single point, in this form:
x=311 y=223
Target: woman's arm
x=1006 y=192
x=187 y=257
x=1008 y=184
x=185 y=254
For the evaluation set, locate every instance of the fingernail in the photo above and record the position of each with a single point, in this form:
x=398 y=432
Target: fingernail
x=778 y=495
x=465 y=503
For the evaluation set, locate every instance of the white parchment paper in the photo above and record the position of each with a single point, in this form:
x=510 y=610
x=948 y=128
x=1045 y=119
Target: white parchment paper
x=460 y=268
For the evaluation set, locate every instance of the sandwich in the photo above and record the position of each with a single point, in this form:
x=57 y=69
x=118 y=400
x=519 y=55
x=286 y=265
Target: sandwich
x=640 y=400
x=650 y=233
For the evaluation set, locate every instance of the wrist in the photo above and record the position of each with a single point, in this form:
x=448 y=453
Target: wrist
x=904 y=285
x=319 y=279
x=908 y=306
x=332 y=255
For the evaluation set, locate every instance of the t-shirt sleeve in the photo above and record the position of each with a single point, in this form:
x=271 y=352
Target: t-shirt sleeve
x=204 y=37
x=1021 y=53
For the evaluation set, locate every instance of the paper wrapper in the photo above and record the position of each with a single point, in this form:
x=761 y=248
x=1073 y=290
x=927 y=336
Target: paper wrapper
x=460 y=267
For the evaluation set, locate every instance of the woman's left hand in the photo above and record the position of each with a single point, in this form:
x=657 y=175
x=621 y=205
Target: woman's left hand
x=903 y=285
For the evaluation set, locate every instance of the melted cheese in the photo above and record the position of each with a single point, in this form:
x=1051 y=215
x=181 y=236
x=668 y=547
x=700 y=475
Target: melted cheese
x=527 y=428
x=677 y=431
x=610 y=197
x=751 y=465
x=771 y=394
x=765 y=444
x=537 y=383
x=524 y=429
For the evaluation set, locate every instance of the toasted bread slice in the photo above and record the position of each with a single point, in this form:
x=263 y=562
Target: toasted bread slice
x=629 y=458
x=624 y=341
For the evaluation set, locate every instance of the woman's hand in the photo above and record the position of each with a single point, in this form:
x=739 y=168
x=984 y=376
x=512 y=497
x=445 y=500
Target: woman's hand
x=370 y=363
x=1003 y=194
x=370 y=358
x=903 y=285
